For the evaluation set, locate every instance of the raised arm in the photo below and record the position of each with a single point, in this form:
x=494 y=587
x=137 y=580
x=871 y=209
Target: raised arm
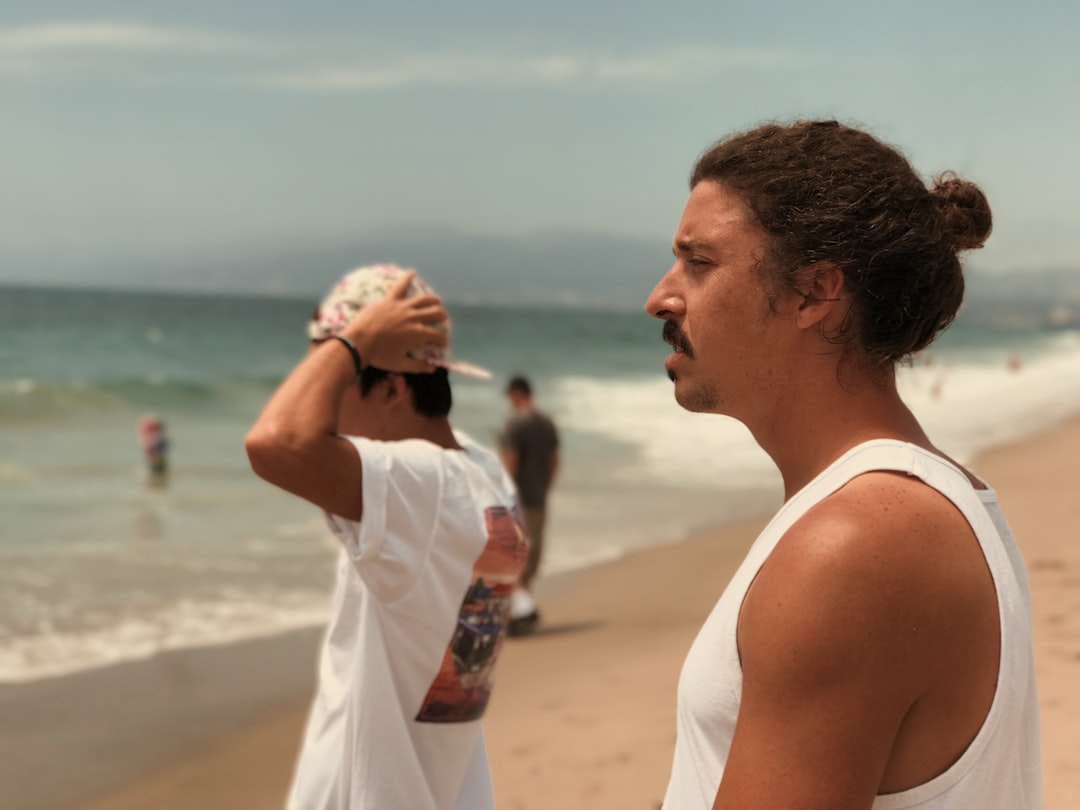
x=294 y=444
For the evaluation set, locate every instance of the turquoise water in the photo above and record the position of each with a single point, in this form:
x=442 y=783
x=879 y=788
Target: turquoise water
x=95 y=566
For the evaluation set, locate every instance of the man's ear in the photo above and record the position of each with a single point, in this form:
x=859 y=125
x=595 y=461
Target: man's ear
x=821 y=285
x=397 y=390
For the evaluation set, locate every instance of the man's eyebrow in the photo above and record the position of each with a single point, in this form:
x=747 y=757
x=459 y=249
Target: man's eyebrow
x=687 y=245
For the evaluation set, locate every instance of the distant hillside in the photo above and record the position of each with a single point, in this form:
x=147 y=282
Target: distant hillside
x=563 y=268
x=556 y=268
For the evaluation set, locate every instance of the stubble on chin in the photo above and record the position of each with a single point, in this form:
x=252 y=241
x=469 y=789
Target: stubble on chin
x=699 y=398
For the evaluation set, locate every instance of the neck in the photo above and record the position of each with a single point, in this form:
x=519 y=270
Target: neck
x=818 y=421
x=396 y=425
x=436 y=430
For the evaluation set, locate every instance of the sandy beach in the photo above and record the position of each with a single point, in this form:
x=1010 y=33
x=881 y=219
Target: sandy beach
x=583 y=714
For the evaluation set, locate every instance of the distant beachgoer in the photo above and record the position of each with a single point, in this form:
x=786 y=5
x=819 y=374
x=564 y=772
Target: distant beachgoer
x=874 y=649
x=155 y=446
x=432 y=547
x=530 y=452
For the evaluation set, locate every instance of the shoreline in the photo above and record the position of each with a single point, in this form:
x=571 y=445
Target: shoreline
x=584 y=711
x=705 y=526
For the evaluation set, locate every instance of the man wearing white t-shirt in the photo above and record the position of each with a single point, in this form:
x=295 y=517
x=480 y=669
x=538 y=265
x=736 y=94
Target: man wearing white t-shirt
x=432 y=546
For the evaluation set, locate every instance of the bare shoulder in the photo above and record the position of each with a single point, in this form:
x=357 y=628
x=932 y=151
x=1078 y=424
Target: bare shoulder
x=882 y=528
x=878 y=563
x=868 y=642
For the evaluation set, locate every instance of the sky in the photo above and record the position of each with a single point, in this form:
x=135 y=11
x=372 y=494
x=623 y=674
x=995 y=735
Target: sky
x=135 y=132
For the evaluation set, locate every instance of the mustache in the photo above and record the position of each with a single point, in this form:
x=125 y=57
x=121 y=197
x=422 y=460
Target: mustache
x=673 y=335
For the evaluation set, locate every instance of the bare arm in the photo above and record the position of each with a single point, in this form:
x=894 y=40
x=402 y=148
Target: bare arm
x=840 y=637
x=510 y=460
x=294 y=444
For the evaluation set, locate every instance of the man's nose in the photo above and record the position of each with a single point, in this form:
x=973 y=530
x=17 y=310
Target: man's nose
x=664 y=301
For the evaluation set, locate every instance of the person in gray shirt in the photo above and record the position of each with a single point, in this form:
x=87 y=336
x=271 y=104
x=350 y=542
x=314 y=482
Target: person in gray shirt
x=530 y=452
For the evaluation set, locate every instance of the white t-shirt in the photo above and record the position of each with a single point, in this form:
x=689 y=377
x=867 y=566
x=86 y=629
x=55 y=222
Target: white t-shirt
x=419 y=613
x=1001 y=768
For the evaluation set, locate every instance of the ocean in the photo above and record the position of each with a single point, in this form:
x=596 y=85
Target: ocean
x=98 y=567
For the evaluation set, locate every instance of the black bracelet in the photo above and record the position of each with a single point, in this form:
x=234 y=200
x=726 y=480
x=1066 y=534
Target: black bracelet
x=348 y=344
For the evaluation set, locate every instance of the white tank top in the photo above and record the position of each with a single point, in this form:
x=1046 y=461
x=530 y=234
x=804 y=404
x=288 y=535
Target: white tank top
x=1000 y=770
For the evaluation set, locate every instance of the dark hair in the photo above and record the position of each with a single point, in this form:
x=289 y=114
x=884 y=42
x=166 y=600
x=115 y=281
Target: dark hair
x=520 y=384
x=825 y=192
x=431 y=394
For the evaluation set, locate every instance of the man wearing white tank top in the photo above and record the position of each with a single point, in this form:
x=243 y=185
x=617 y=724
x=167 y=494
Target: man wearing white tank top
x=874 y=648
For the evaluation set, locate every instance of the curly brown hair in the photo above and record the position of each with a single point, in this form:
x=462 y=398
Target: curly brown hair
x=826 y=192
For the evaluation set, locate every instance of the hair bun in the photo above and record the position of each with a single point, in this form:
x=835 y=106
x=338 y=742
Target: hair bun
x=964 y=209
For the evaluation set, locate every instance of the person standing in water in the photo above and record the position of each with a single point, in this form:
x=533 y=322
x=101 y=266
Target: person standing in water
x=155 y=446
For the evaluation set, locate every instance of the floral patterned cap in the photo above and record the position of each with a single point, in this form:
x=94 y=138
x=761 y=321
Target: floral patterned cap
x=364 y=286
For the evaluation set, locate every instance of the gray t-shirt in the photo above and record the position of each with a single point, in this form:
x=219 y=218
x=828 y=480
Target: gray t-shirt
x=532 y=436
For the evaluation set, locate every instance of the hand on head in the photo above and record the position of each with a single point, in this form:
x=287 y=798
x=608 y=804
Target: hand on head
x=385 y=331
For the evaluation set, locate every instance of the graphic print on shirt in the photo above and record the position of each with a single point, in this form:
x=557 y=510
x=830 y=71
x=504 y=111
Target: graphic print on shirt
x=463 y=684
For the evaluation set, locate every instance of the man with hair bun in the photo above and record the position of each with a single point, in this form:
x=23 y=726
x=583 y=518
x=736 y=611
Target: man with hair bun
x=874 y=648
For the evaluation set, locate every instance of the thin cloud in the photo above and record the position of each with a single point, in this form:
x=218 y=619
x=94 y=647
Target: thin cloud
x=75 y=48
x=115 y=37
x=659 y=67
